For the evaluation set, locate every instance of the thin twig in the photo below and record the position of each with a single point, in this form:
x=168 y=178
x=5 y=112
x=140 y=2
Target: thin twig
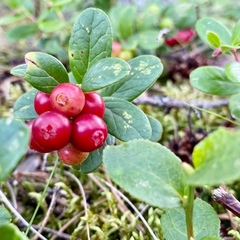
x=84 y=199
x=12 y=194
x=50 y=210
x=18 y=215
x=132 y=206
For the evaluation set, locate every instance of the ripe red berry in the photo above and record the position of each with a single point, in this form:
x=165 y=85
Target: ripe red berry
x=51 y=130
x=94 y=104
x=68 y=99
x=89 y=132
x=116 y=49
x=71 y=156
x=171 y=42
x=42 y=102
x=185 y=35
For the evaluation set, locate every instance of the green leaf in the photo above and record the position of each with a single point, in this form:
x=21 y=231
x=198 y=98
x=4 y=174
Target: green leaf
x=10 y=19
x=95 y=158
x=14 y=137
x=90 y=41
x=156 y=128
x=234 y=106
x=5 y=216
x=147 y=170
x=10 y=231
x=44 y=72
x=233 y=71
x=145 y=70
x=211 y=238
x=148 y=39
x=216 y=159
x=213 y=80
x=213 y=39
x=51 y=25
x=105 y=72
x=126 y=121
x=24 y=106
x=205 y=222
x=127 y=20
x=22 y=31
x=14 y=3
x=236 y=34
x=19 y=70
x=205 y=25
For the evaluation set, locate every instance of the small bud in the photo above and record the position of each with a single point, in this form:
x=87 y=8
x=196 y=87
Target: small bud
x=187 y=168
x=216 y=52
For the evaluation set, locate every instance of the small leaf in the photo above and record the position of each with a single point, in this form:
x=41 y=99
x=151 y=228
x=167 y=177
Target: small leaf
x=10 y=19
x=24 y=106
x=236 y=34
x=19 y=70
x=105 y=72
x=205 y=222
x=205 y=25
x=156 y=128
x=145 y=70
x=215 y=161
x=11 y=231
x=94 y=159
x=213 y=80
x=14 y=138
x=233 y=71
x=51 y=25
x=44 y=72
x=5 y=216
x=90 y=41
x=147 y=170
x=126 y=121
x=22 y=31
x=234 y=106
x=213 y=39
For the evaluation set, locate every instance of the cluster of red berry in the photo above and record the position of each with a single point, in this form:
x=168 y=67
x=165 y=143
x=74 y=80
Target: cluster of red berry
x=69 y=121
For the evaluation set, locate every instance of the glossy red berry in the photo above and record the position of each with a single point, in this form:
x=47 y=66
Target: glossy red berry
x=89 y=132
x=42 y=102
x=94 y=104
x=68 y=99
x=51 y=130
x=71 y=156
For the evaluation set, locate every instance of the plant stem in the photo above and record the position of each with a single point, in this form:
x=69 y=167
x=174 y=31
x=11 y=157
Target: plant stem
x=189 y=212
x=42 y=197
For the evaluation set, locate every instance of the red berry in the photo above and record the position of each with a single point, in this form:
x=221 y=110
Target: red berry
x=171 y=42
x=71 y=156
x=51 y=130
x=42 y=102
x=68 y=99
x=185 y=35
x=94 y=104
x=116 y=49
x=89 y=132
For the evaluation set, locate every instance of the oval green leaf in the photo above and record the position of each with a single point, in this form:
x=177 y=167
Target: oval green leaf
x=233 y=71
x=90 y=41
x=147 y=170
x=156 y=128
x=19 y=70
x=213 y=80
x=216 y=159
x=234 y=106
x=205 y=25
x=205 y=222
x=213 y=39
x=11 y=231
x=44 y=72
x=105 y=72
x=236 y=34
x=14 y=138
x=24 y=106
x=5 y=216
x=126 y=121
x=145 y=70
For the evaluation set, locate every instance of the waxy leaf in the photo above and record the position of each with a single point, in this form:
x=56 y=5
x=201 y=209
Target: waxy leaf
x=236 y=34
x=11 y=231
x=205 y=222
x=213 y=39
x=95 y=158
x=233 y=71
x=24 y=106
x=216 y=159
x=5 y=216
x=125 y=121
x=213 y=80
x=234 y=106
x=14 y=138
x=145 y=70
x=206 y=25
x=147 y=170
x=156 y=128
x=19 y=70
x=90 y=41
x=105 y=72
x=44 y=72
